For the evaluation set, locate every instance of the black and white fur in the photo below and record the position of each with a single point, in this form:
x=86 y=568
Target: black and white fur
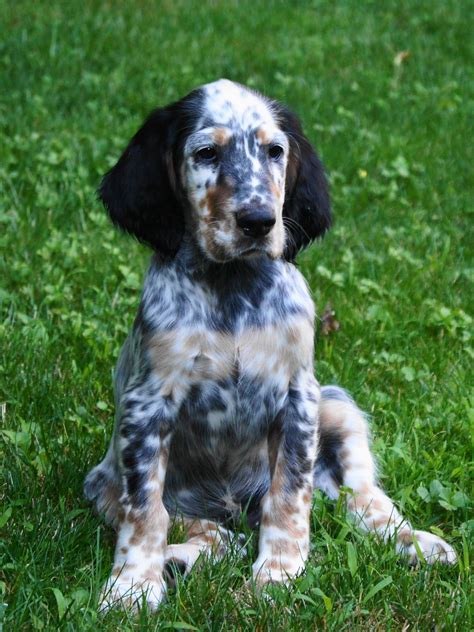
x=218 y=409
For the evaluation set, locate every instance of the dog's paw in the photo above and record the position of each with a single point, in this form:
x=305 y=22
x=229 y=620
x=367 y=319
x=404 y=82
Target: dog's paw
x=179 y=560
x=103 y=490
x=273 y=571
x=433 y=548
x=129 y=594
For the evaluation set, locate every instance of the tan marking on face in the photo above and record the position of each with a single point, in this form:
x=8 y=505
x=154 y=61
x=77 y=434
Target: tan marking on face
x=263 y=135
x=221 y=136
x=213 y=215
x=275 y=189
x=217 y=230
x=218 y=200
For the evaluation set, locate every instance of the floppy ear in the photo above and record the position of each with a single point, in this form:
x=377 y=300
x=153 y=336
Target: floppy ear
x=139 y=192
x=307 y=207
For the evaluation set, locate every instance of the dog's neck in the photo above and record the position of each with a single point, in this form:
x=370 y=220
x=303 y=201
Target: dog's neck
x=191 y=261
x=246 y=280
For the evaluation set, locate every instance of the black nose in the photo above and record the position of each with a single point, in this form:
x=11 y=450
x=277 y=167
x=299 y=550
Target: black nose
x=255 y=222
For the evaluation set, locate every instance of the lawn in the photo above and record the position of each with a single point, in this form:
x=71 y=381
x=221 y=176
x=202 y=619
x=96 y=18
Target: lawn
x=385 y=92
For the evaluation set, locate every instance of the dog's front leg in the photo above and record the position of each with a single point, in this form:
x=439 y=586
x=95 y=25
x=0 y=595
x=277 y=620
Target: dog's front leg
x=284 y=527
x=143 y=440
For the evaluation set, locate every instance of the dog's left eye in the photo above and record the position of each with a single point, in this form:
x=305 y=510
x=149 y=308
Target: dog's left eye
x=207 y=154
x=275 y=152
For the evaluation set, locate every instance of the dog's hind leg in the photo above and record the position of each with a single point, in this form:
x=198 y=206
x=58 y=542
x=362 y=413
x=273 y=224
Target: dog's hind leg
x=205 y=539
x=103 y=486
x=344 y=459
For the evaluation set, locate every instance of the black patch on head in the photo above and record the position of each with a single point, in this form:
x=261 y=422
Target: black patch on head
x=307 y=205
x=142 y=192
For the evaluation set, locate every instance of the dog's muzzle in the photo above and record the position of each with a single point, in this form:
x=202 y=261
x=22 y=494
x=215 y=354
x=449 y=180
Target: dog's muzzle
x=255 y=222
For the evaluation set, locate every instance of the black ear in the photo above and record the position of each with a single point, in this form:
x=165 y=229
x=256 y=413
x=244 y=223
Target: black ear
x=140 y=191
x=307 y=208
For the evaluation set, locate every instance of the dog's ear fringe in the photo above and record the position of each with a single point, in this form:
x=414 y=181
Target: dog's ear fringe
x=307 y=207
x=139 y=192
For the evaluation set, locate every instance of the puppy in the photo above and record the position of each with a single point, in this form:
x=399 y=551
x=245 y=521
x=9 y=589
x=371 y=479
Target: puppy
x=218 y=409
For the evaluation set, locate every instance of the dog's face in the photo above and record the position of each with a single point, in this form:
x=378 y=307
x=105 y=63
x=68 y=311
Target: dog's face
x=233 y=172
x=226 y=165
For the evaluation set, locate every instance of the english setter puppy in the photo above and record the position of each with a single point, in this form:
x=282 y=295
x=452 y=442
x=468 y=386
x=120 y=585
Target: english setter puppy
x=218 y=409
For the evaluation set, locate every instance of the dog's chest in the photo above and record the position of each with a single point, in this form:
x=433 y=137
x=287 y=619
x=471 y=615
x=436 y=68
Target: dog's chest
x=229 y=357
x=225 y=377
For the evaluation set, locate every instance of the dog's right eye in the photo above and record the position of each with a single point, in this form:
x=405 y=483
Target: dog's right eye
x=207 y=154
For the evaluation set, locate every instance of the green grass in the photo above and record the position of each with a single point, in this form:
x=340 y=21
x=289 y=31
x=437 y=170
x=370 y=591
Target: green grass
x=77 y=79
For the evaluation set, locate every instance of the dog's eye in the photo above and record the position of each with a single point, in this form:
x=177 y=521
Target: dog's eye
x=275 y=152
x=207 y=154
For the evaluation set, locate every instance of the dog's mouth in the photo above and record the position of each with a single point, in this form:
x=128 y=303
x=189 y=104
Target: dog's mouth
x=224 y=245
x=255 y=250
x=251 y=253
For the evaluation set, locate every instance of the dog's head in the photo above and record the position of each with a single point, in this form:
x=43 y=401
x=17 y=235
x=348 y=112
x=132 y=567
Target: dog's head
x=228 y=166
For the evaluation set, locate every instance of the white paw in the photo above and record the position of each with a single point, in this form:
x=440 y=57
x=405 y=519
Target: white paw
x=273 y=571
x=125 y=592
x=433 y=548
x=180 y=558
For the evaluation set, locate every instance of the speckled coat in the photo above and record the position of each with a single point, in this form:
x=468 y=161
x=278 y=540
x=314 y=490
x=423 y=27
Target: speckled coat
x=218 y=409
